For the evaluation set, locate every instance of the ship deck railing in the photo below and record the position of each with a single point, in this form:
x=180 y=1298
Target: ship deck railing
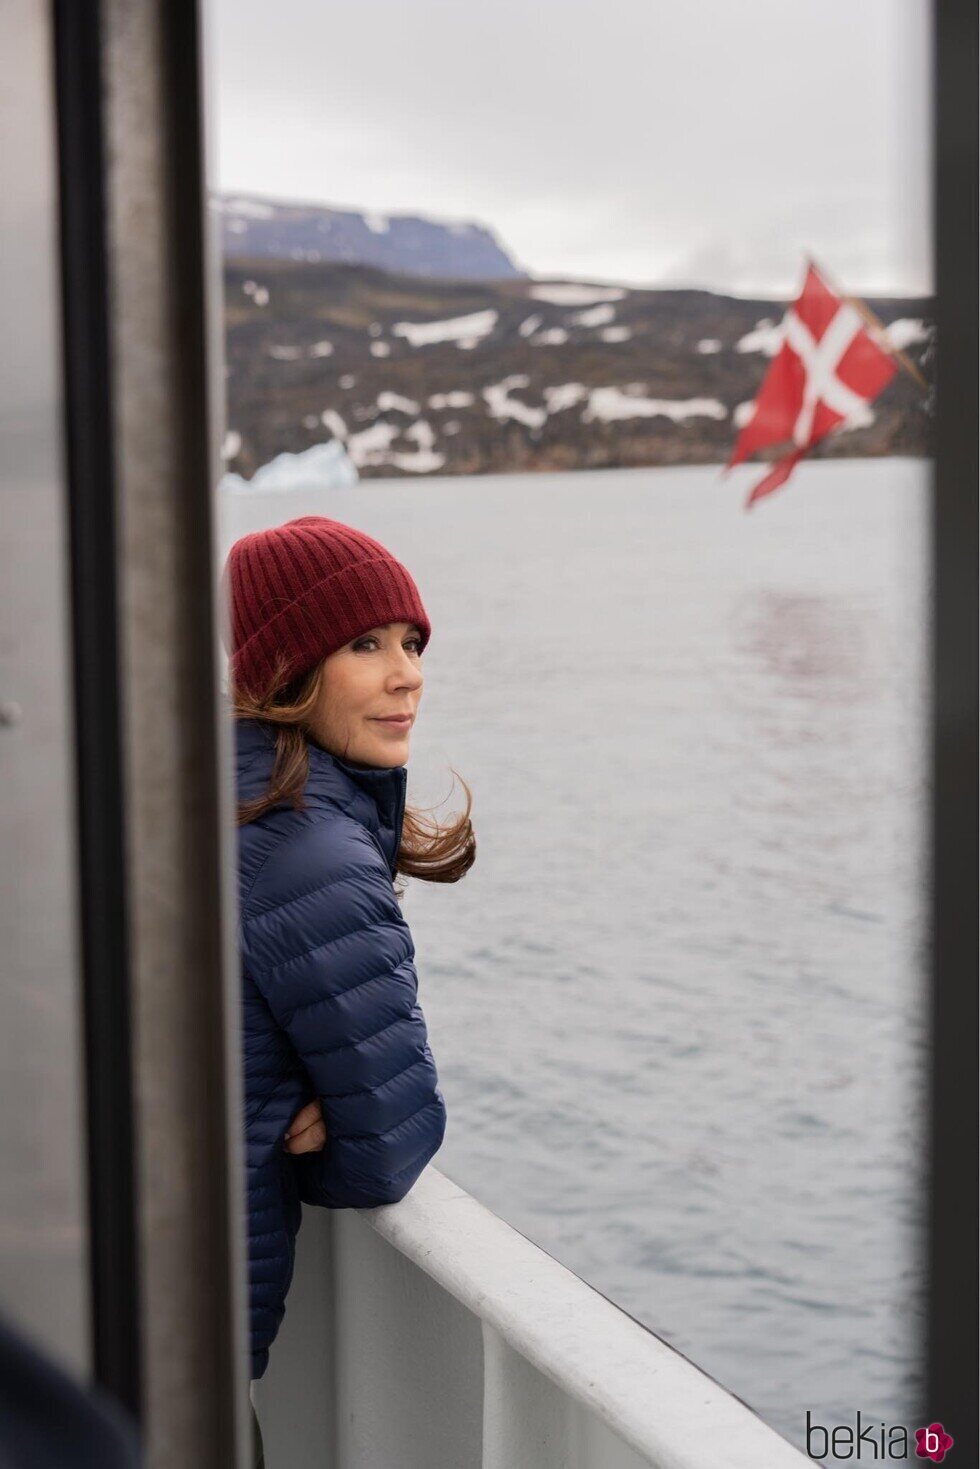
x=430 y=1334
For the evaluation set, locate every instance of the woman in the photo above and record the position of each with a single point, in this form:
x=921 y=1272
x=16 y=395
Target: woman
x=342 y=1102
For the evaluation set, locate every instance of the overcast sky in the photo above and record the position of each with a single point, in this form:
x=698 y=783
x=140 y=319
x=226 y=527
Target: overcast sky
x=655 y=142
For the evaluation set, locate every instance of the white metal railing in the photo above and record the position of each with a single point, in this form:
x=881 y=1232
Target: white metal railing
x=429 y=1334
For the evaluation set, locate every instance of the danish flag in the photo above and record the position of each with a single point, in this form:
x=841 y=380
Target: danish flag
x=828 y=369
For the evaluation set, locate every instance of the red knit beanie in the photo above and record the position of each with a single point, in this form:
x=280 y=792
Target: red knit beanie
x=303 y=590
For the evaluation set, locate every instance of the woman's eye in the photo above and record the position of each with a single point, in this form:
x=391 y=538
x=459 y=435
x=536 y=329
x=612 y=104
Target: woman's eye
x=369 y=642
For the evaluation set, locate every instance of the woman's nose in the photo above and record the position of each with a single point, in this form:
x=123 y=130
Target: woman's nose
x=407 y=674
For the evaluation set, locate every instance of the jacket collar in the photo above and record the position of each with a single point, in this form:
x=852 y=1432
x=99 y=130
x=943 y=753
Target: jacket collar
x=374 y=795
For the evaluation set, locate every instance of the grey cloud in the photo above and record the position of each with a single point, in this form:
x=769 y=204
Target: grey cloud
x=702 y=143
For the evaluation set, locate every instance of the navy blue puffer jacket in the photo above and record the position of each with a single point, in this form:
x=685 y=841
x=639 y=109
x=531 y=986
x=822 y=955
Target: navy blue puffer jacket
x=329 y=1009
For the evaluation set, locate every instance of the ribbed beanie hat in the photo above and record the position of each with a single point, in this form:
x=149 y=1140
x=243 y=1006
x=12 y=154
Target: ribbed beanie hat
x=304 y=589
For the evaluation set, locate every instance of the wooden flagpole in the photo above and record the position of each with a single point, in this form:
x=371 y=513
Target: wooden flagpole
x=872 y=320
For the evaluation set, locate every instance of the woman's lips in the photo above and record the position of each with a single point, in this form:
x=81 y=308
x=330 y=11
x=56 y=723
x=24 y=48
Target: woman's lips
x=401 y=721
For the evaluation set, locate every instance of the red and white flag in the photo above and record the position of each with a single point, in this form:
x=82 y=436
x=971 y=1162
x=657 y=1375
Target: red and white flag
x=828 y=369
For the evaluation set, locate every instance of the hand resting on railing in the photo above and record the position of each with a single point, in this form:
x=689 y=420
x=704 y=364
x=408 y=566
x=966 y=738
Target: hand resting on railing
x=307 y=1133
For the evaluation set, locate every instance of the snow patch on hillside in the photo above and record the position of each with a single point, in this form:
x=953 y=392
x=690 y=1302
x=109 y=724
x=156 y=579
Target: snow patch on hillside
x=424 y=459
x=574 y=293
x=456 y=398
x=765 y=337
x=609 y=404
x=502 y=406
x=371 y=444
x=397 y=404
x=595 y=316
x=906 y=331
x=564 y=396
x=373 y=447
x=462 y=329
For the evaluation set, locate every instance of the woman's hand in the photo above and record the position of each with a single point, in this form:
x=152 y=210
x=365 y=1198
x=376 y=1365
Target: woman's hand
x=307 y=1133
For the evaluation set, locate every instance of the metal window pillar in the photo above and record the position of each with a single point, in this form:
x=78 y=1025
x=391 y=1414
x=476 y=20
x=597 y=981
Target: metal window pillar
x=140 y=293
x=952 y=1350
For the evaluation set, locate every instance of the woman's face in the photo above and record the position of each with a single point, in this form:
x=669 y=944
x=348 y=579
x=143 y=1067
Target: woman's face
x=374 y=677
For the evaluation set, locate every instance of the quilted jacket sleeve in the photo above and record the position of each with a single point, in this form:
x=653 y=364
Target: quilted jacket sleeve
x=325 y=940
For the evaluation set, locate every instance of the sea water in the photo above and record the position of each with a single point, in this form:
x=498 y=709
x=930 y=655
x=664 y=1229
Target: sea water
x=678 y=1004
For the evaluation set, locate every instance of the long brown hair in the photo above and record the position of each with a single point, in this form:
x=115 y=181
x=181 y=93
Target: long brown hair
x=434 y=852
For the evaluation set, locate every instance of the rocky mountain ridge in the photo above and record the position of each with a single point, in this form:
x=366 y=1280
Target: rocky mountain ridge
x=255 y=228
x=417 y=376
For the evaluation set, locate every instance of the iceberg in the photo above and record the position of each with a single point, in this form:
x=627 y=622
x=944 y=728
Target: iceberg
x=321 y=467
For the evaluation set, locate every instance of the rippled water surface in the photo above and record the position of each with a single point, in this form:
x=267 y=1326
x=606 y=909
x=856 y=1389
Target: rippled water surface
x=677 y=1006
